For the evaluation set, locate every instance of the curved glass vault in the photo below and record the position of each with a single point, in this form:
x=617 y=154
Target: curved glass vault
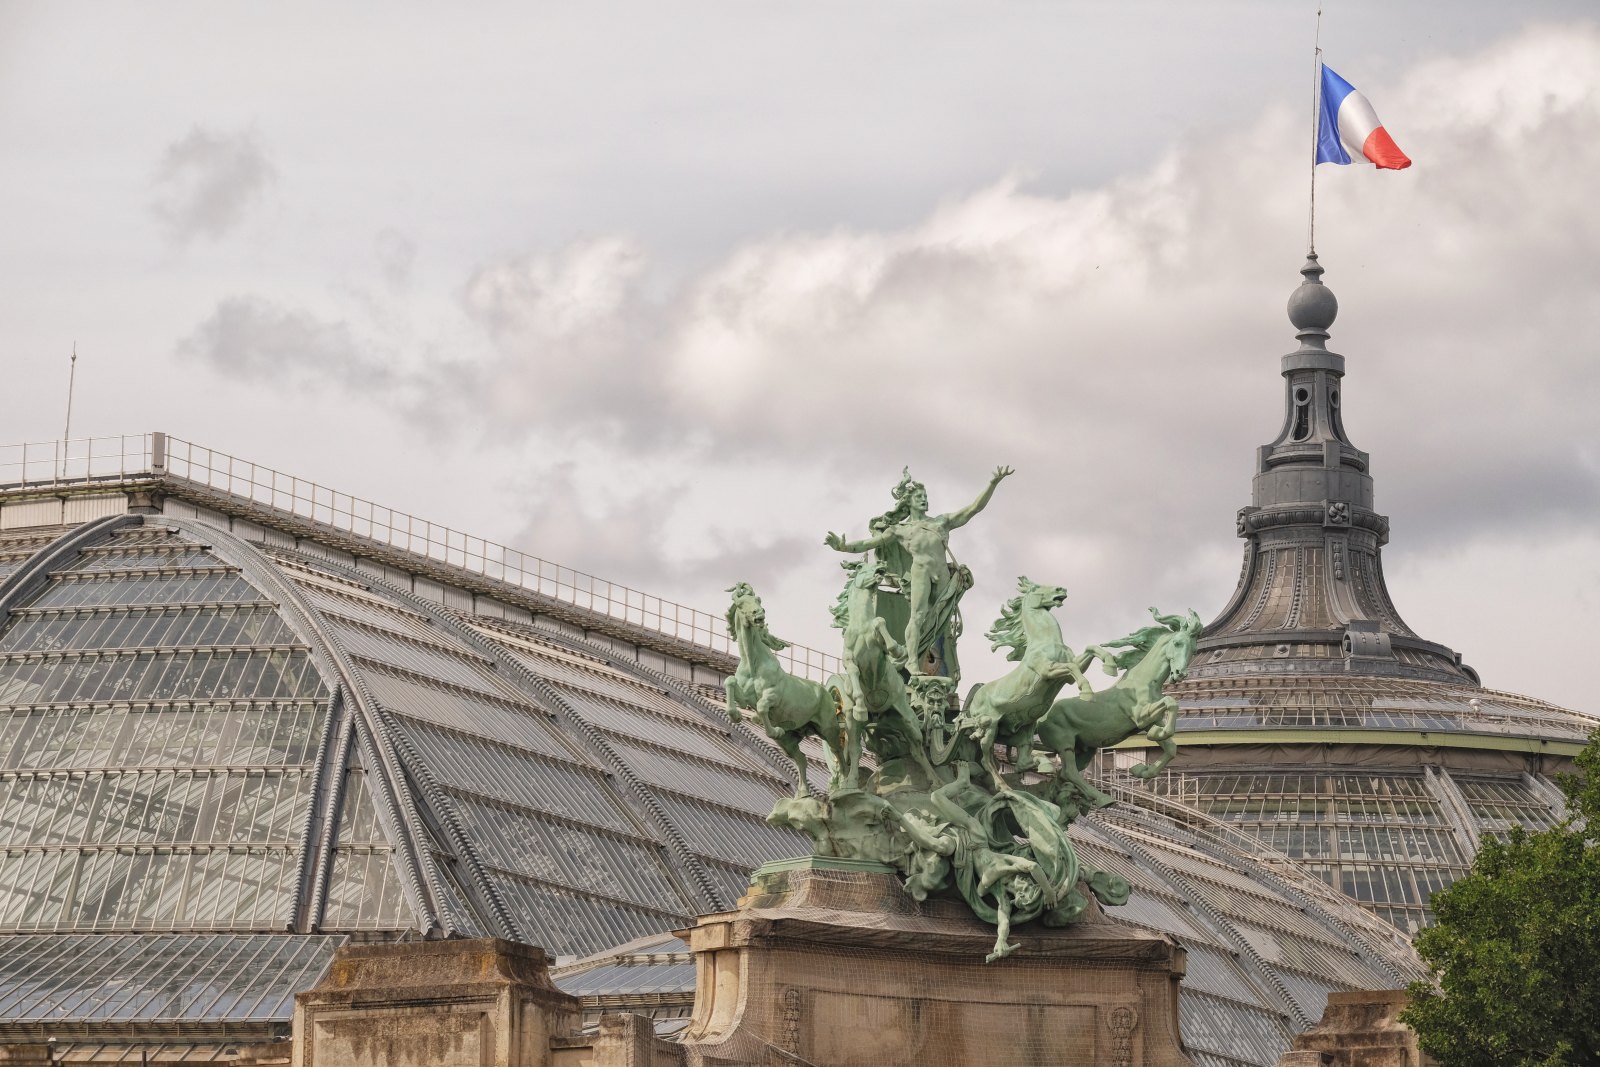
x=214 y=751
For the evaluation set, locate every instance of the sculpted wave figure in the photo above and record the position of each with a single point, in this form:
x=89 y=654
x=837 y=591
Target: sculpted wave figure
x=943 y=801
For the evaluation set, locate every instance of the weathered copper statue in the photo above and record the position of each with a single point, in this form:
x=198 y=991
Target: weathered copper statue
x=972 y=802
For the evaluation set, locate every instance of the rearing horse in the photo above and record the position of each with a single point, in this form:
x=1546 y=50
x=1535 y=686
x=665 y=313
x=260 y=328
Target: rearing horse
x=1006 y=709
x=1078 y=727
x=789 y=709
x=875 y=697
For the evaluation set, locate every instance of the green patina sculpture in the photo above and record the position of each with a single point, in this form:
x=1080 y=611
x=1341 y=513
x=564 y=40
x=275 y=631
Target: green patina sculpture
x=789 y=709
x=971 y=800
x=915 y=546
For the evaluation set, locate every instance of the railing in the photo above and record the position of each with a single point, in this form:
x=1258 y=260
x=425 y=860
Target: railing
x=89 y=459
x=53 y=463
x=1469 y=717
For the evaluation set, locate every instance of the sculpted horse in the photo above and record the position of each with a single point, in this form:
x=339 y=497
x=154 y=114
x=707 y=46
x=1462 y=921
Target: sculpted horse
x=1005 y=711
x=1078 y=727
x=874 y=692
x=789 y=709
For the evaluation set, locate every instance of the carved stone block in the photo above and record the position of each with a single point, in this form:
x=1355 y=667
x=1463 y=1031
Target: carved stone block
x=839 y=968
x=481 y=1003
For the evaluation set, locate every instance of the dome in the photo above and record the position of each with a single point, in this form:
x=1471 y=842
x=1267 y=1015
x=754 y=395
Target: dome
x=1314 y=719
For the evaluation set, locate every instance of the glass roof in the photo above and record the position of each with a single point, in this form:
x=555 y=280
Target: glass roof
x=236 y=753
x=1389 y=838
x=157 y=728
x=147 y=978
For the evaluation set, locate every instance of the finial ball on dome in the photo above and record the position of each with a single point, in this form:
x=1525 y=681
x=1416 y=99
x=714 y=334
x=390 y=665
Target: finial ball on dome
x=1312 y=306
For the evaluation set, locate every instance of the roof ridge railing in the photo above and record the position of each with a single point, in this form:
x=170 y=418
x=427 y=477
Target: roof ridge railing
x=128 y=458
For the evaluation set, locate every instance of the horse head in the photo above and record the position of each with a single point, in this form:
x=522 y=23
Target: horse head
x=865 y=574
x=1009 y=630
x=1180 y=646
x=746 y=608
x=1035 y=595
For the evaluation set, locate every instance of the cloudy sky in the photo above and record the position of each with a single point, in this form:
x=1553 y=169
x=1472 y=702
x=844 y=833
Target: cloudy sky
x=666 y=291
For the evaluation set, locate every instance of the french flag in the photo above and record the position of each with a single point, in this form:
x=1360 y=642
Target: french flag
x=1350 y=128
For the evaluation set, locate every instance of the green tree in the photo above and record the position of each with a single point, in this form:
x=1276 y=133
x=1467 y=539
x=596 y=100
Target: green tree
x=1515 y=948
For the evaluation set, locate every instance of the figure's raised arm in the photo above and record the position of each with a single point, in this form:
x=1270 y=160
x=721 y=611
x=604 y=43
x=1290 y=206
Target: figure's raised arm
x=964 y=516
x=839 y=544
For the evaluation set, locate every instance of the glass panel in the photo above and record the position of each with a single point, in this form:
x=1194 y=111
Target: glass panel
x=1499 y=804
x=587 y=925
x=455 y=669
x=522 y=727
x=364 y=892
x=595 y=678
x=1237 y=1032
x=725 y=785
x=109 y=978
x=736 y=837
x=360 y=609
x=697 y=737
x=150 y=807
x=144 y=627
x=522 y=778
x=565 y=855
x=164 y=675
x=167 y=589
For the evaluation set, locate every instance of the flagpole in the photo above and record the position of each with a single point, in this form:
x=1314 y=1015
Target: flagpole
x=1316 y=126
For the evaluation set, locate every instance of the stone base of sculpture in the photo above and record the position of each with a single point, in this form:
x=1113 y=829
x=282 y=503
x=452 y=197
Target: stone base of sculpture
x=483 y=1003
x=830 y=963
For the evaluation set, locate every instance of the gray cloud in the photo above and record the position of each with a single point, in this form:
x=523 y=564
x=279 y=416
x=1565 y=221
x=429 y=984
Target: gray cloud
x=624 y=533
x=1117 y=344
x=207 y=182
x=397 y=257
x=257 y=340
x=570 y=339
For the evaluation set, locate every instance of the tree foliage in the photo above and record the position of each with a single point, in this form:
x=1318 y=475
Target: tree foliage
x=1515 y=949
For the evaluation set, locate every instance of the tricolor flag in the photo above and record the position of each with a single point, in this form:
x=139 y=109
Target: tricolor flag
x=1350 y=128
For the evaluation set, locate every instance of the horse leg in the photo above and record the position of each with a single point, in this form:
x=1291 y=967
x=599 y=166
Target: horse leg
x=1159 y=715
x=1161 y=720
x=1059 y=735
x=1169 y=718
x=1066 y=746
x=1107 y=658
x=786 y=740
x=1168 y=751
x=841 y=734
x=894 y=649
x=1025 y=752
x=790 y=743
x=986 y=756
